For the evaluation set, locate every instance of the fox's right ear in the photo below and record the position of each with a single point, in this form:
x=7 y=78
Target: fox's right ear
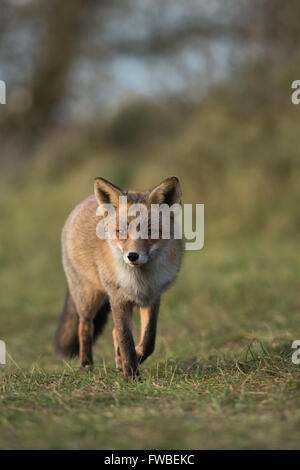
x=167 y=192
x=106 y=192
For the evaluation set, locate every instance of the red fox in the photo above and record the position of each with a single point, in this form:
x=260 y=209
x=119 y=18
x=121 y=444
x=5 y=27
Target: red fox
x=115 y=274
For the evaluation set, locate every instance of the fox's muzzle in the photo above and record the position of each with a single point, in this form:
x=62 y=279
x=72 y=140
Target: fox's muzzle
x=134 y=258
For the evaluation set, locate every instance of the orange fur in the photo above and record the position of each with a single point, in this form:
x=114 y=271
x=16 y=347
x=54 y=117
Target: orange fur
x=98 y=271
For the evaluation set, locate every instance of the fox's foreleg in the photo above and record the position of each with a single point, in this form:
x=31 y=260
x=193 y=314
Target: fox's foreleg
x=123 y=339
x=85 y=334
x=116 y=345
x=117 y=351
x=87 y=299
x=149 y=316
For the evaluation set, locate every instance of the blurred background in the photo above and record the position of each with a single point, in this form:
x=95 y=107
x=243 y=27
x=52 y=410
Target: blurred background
x=134 y=91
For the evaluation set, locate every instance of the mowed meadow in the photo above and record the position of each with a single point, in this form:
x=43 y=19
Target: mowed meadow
x=222 y=374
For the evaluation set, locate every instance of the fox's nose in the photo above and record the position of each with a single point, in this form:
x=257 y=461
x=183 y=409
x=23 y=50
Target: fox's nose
x=132 y=256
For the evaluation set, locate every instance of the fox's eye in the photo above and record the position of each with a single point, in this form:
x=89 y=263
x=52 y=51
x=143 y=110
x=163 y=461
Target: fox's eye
x=154 y=233
x=120 y=231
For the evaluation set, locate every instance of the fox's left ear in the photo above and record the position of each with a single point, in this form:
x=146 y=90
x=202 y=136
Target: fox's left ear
x=167 y=192
x=106 y=192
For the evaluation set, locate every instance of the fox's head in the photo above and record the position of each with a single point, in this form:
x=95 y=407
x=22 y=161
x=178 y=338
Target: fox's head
x=129 y=226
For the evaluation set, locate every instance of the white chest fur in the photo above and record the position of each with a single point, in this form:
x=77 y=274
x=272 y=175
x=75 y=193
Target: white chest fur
x=143 y=284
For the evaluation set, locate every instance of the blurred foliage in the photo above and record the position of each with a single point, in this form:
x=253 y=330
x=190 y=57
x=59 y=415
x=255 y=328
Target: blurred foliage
x=236 y=149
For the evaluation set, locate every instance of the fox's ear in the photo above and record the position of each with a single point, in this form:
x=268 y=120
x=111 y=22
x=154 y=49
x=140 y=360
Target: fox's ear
x=167 y=192
x=106 y=192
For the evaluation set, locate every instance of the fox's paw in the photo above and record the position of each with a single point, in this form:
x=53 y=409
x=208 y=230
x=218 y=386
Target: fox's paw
x=139 y=354
x=131 y=373
x=86 y=364
x=140 y=358
x=119 y=367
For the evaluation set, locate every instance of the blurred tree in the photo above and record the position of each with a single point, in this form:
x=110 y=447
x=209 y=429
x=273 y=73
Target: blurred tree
x=43 y=41
x=67 y=31
x=62 y=30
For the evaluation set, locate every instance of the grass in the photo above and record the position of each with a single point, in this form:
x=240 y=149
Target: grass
x=221 y=375
x=218 y=403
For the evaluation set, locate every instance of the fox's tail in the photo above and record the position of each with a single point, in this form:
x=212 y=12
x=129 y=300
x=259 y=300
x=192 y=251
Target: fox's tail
x=66 y=341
